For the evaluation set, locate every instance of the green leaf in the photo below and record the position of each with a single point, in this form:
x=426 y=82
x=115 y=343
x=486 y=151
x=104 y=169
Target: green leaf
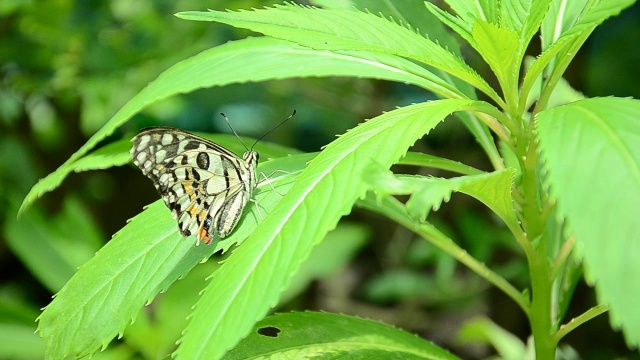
x=470 y=11
x=492 y=189
x=524 y=17
x=456 y=23
x=114 y=154
x=562 y=94
x=108 y=291
x=428 y=196
x=590 y=149
x=567 y=45
x=333 y=4
x=564 y=21
x=594 y=13
x=243 y=61
x=562 y=15
x=345 y=30
x=334 y=30
x=501 y=43
x=477 y=128
x=411 y=12
x=251 y=280
x=329 y=336
x=514 y=13
x=141 y=260
x=499 y=48
x=436 y=162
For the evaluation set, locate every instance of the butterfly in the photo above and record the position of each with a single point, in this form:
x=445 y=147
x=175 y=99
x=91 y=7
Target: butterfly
x=205 y=186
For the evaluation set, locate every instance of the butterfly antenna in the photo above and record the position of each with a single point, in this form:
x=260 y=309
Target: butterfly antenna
x=234 y=132
x=273 y=128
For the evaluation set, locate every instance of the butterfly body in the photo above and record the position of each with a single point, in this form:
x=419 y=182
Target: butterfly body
x=205 y=186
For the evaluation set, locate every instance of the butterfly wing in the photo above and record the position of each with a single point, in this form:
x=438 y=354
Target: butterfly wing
x=203 y=184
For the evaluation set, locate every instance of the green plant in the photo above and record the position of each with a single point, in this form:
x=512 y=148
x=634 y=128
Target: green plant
x=555 y=162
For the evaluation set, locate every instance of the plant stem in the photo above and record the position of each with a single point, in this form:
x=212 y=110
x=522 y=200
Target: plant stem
x=534 y=220
x=494 y=119
x=579 y=320
x=540 y=315
x=496 y=126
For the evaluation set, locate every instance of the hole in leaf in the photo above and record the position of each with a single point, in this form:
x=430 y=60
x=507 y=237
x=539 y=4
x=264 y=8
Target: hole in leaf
x=269 y=331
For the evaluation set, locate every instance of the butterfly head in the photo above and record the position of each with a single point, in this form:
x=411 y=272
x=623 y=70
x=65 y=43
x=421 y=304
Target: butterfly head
x=251 y=157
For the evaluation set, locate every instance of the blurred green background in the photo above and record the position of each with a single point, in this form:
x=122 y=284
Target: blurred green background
x=67 y=66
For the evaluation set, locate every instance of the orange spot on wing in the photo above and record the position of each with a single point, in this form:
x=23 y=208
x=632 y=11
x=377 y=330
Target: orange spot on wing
x=189 y=190
x=202 y=234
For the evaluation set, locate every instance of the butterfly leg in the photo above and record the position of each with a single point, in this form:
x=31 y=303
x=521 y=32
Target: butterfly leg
x=266 y=180
x=278 y=171
x=258 y=208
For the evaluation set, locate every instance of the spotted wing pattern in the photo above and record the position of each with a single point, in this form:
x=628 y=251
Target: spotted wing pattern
x=205 y=186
